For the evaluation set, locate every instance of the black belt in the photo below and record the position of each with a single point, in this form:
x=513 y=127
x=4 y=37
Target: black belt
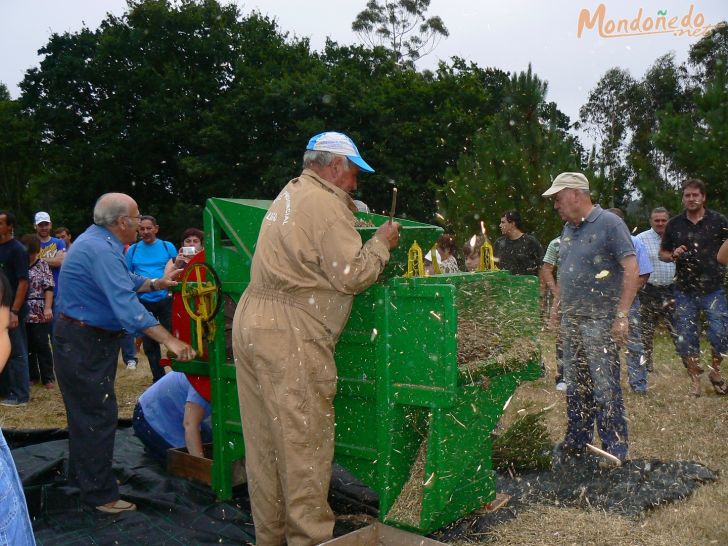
x=101 y=331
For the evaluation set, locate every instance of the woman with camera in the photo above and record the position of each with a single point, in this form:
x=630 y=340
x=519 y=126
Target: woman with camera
x=192 y=243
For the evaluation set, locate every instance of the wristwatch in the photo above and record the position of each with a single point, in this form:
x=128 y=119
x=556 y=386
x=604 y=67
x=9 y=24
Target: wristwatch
x=621 y=314
x=14 y=311
x=153 y=285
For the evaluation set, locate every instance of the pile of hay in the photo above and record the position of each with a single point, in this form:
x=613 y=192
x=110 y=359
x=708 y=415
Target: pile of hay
x=480 y=347
x=524 y=447
x=408 y=506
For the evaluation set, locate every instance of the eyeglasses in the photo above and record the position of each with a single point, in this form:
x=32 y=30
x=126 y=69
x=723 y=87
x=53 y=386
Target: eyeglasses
x=138 y=217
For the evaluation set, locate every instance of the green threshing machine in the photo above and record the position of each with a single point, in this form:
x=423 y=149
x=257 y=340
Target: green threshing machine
x=425 y=365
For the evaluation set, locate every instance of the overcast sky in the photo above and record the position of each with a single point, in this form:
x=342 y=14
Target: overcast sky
x=506 y=34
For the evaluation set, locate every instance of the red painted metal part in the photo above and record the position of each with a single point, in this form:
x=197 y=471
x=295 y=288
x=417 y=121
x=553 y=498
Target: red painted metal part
x=182 y=329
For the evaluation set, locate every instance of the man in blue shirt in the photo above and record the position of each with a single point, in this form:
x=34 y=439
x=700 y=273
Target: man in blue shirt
x=148 y=258
x=170 y=414
x=97 y=304
x=636 y=361
x=657 y=296
x=598 y=281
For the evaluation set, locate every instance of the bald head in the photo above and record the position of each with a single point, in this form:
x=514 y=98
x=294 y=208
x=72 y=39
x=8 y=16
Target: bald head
x=118 y=213
x=110 y=207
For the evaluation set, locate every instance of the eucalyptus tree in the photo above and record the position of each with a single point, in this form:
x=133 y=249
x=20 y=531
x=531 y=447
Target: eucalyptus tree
x=150 y=104
x=605 y=118
x=695 y=138
x=653 y=172
x=402 y=27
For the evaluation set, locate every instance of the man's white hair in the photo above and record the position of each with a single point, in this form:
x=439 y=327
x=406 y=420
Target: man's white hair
x=109 y=207
x=317 y=158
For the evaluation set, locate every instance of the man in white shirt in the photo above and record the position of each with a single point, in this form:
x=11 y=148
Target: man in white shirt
x=656 y=297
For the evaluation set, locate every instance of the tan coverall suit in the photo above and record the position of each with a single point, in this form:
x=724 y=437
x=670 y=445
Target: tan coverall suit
x=309 y=262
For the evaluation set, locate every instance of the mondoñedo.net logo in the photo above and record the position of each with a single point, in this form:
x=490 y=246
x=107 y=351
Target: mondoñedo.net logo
x=689 y=23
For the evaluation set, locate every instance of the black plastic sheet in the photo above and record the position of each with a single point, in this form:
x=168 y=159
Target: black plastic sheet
x=629 y=491
x=171 y=510
x=177 y=511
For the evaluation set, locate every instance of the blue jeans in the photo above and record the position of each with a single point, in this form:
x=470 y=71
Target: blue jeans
x=15 y=527
x=636 y=361
x=153 y=442
x=162 y=311
x=593 y=392
x=687 y=321
x=128 y=347
x=17 y=366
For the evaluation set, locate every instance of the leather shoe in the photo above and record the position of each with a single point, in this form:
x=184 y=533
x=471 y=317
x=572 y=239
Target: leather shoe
x=116 y=507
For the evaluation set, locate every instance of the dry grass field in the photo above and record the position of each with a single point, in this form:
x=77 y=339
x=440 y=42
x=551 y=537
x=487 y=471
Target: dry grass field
x=667 y=424
x=46 y=410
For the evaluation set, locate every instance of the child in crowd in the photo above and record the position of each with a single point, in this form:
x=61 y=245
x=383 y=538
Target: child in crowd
x=471 y=252
x=447 y=249
x=40 y=314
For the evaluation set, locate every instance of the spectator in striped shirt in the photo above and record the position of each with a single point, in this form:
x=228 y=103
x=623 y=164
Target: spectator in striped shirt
x=657 y=297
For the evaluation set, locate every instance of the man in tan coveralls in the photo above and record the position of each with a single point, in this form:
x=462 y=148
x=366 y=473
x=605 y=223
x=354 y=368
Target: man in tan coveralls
x=308 y=264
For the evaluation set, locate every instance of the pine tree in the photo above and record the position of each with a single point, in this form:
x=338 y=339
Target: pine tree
x=512 y=162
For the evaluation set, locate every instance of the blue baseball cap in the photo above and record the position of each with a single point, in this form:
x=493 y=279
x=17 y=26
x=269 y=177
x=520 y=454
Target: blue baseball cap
x=338 y=143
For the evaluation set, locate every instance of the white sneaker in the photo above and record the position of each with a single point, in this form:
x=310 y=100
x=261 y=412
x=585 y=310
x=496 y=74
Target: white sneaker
x=561 y=386
x=131 y=364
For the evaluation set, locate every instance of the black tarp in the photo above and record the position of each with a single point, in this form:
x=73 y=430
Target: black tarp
x=171 y=510
x=629 y=491
x=182 y=512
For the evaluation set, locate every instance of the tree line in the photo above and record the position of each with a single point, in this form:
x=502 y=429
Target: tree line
x=653 y=132
x=175 y=102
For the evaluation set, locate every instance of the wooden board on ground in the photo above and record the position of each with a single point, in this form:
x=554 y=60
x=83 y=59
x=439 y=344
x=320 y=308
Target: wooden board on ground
x=500 y=500
x=180 y=463
x=378 y=534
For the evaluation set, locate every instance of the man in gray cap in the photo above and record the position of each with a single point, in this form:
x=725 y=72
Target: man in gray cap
x=308 y=264
x=599 y=279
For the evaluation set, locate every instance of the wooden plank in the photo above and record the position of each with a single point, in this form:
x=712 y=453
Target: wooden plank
x=181 y=463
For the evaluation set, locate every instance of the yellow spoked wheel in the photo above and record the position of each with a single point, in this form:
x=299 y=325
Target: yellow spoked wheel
x=202 y=297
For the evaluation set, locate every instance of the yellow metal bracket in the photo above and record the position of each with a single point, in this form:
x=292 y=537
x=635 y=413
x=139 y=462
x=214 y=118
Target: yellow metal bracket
x=487 y=258
x=435 y=264
x=415 y=262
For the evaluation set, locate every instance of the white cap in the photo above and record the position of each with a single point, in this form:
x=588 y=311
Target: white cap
x=567 y=180
x=338 y=143
x=42 y=217
x=361 y=206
